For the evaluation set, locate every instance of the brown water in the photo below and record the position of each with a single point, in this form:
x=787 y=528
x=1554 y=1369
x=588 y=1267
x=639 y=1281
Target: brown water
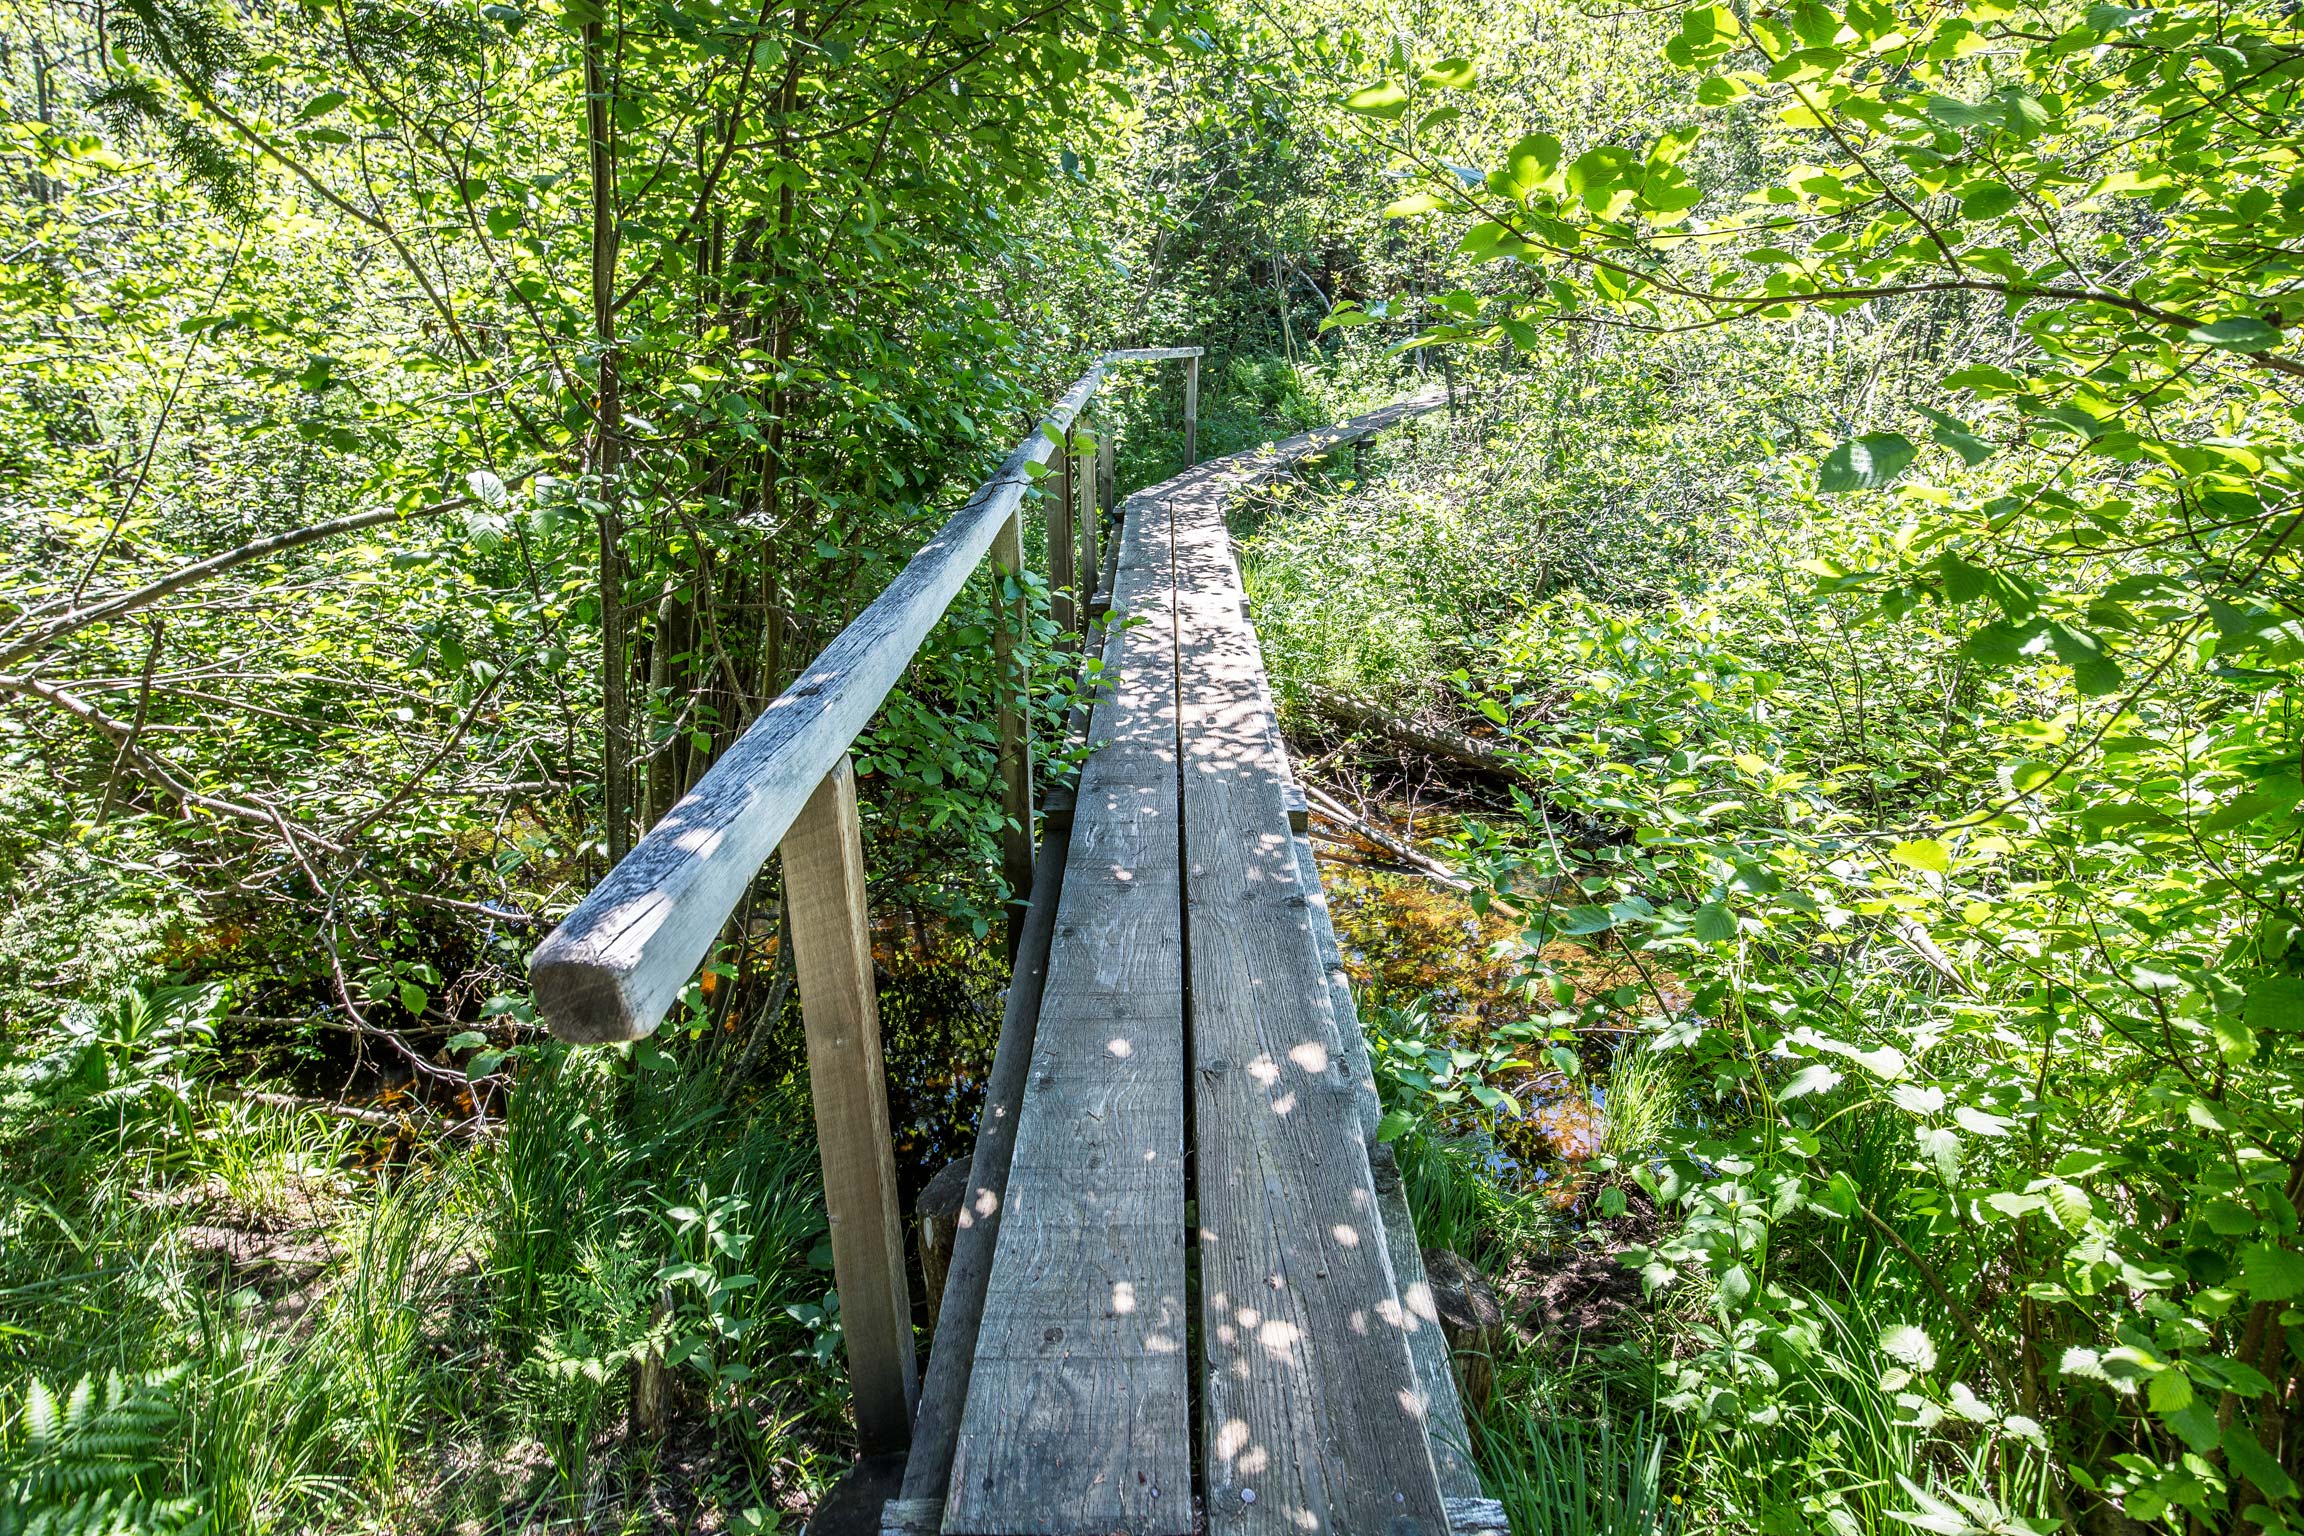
x=1407 y=938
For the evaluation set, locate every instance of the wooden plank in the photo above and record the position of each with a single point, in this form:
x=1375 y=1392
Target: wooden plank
x=1151 y=354
x=823 y=857
x=952 y=1361
x=1445 y=1432
x=614 y=965
x=1450 y=1441
x=1078 y=1413
x=1351 y=1042
x=1312 y=1414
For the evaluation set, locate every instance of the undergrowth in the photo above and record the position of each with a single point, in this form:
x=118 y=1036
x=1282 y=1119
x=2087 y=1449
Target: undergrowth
x=227 y=1316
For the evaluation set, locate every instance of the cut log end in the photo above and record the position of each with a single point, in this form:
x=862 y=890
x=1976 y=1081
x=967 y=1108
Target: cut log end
x=1471 y=1319
x=580 y=1000
x=938 y=1214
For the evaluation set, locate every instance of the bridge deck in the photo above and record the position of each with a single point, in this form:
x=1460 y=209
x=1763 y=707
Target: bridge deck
x=1205 y=1308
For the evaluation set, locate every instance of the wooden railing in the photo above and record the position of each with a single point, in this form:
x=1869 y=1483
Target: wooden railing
x=616 y=964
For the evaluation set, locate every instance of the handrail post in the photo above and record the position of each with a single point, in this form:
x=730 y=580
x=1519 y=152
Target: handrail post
x=1191 y=411
x=1063 y=573
x=1013 y=724
x=1108 y=477
x=824 y=892
x=1088 y=565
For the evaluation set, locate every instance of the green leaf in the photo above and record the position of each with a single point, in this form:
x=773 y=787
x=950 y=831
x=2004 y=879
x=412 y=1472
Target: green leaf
x=1963 y=582
x=1714 y=924
x=1596 y=174
x=1735 y=1287
x=1587 y=919
x=1910 y=1346
x=1923 y=853
x=2271 y=1272
x=1386 y=100
x=2002 y=644
x=1839 y=1197
x=2274 y=1002
x=1815 y=1077
x=1454 y=74
x=1866 y=463
x=1529 y=165
x=1395 y=1124
x=2170 y=1390
x=2238 y=333
x=2093 y=672
x=1942 y=1147
x=2249 y=1459
x=1953 y=433
x=1988 y=200
x=321 y=105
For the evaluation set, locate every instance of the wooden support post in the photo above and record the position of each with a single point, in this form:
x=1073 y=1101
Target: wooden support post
x=1088 y=565
x=1063 y=572
x=1013 y=725
x=1191 y=411
x=1108 y=477
x=832 y=952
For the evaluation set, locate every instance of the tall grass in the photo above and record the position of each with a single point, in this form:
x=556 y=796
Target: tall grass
x=263 y=1333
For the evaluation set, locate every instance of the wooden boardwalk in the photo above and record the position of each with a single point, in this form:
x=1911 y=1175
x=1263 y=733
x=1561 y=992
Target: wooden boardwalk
x=1185 y=1294
x=1190 y=1056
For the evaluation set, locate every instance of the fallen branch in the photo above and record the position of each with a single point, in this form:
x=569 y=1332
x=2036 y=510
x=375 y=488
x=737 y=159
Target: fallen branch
x=1449 y=745
x=382 y=1119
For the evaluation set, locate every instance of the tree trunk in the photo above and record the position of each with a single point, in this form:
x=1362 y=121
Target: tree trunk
x=608 y=430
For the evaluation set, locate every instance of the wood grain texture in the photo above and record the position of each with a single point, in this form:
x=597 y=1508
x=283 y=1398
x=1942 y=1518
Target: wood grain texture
x=1427 y=1347
x=952 y=1362
x=1313 y=1416
x=1077 y=1417
x=847 y=1084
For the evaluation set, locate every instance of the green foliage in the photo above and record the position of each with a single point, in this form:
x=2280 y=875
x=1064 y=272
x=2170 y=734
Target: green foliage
x=477 y=1301
x=1967 y=809
x=80 y=1465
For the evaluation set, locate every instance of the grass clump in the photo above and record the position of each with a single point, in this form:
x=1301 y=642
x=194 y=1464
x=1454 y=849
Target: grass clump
x=223 y=1315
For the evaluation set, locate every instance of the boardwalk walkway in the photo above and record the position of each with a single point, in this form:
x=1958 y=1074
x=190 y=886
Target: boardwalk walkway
x=1186 y=1295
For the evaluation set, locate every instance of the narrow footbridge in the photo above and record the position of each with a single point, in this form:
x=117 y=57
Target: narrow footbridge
x=1185 y=1292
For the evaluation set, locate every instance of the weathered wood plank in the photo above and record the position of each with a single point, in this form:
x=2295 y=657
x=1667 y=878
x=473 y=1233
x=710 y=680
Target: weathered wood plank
x=1312 y=1411
x=840 y=1013
x=1077 y=1420
x=951 y=1363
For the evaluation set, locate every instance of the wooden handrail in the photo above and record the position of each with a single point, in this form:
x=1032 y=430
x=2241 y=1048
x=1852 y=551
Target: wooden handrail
x=615 y=965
